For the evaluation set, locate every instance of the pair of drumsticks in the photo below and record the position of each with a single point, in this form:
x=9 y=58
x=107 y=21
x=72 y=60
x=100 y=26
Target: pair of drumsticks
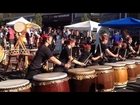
x=87 y=59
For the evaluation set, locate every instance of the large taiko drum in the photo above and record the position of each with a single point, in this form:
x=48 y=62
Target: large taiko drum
x=131 y=70
x=51 y=82
x=120 y=74
x=105 y=78
x=138 y=68
x=19 y=27
x=137 y=62
x=82 y=80
x=15 y=85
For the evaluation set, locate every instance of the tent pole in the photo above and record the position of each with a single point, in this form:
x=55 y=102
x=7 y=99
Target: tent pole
x=120 y=15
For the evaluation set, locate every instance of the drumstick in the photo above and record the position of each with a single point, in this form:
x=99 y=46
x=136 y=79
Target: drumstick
x=100 y=49
x=71 y=53
x=118 y=50
x=125 y=52
x=88 y=58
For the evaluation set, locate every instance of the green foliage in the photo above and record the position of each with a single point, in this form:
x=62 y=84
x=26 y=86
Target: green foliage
x=84 y=17
x=102 y=32
x=10 y=17
x=38 y=19
x=1 y=21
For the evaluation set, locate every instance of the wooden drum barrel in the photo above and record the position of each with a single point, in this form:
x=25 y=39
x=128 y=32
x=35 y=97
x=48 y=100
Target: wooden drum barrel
x=138 y=68
x=51 y=82
x=15 y=85
x=82 y=80
x=120 y=74
x=137 y=60
x=131 y=70
x=105 y=78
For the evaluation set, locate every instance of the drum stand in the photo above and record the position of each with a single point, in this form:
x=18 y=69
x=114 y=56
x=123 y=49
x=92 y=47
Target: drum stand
x=18 y=44
x=21 y=44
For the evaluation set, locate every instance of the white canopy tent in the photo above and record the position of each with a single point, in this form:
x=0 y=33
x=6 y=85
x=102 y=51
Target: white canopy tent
x=21 y=19
x=86 y=25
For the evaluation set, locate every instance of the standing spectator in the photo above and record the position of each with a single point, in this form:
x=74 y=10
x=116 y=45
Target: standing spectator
x=116 y=37
x=31 y=41
x=11 y=37
x=49 y=31
x=37 y=36
x=1 y=36
x=4 y=42
x=87 y=38
x=67 y=32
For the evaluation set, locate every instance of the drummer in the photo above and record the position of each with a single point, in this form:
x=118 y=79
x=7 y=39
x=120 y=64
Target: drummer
x=117 y=49
x=42 y=56
x=130 y=49
x=85 y=56
x=123 y=52
x=104 y=49
x=66 y=56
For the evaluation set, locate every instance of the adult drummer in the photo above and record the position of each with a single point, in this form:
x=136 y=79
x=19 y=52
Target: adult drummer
x=42 y=55
x=102 y=48
x=130 y=49
x=117 y=49
x=66 y=56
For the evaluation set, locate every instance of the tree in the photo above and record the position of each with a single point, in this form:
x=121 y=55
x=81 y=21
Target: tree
x=10 y=17
x=1 y=21
x=38 y=19
x=85 y=17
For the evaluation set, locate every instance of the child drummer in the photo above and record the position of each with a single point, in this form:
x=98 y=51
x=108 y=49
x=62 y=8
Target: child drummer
x=86 y=56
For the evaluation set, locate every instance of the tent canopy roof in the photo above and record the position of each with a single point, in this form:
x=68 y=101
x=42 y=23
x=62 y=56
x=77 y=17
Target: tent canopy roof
x=124 y=22
x=86 y=25
x=21 y=19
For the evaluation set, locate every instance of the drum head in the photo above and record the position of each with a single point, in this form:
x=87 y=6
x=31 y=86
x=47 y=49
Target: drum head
x=49 y=76
x=19 y=27
x=127 y=62
x=81 y=71
x=137 y=58
x=115 y=64
x=136 y=61
x=33 y=49
x=13 y=83
x=100 y=67
x=27 y=54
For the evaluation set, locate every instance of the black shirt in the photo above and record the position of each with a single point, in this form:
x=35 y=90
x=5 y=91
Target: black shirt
x=77 y=38
x=84 y=56
x=64 y=56
x=122 y=52
x=116 y=51
x=87 y=40
x=43 y=54
x=103 y=48
x=128 y=47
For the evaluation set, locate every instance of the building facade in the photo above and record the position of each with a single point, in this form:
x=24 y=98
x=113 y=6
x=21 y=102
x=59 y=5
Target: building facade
x=62 y=19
